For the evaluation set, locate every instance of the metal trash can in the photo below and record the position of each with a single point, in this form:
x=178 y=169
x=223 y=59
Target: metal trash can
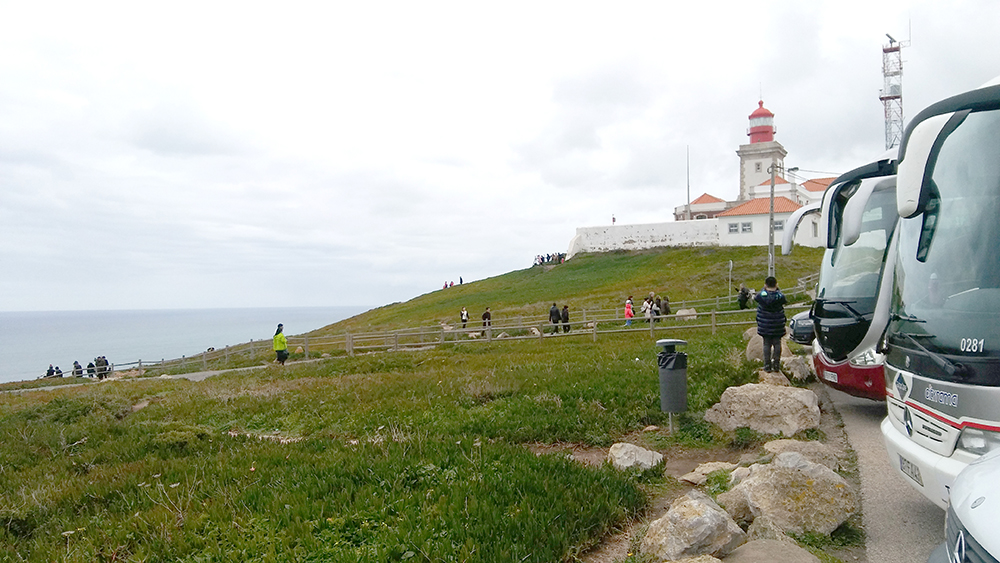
x=673 y=376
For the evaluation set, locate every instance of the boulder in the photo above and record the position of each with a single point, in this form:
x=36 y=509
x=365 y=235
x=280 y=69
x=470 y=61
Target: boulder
x=766 y=408
x=694 y=525
x=771 y=551
x=748 y=333
x=797 y=495
x=755 y=348
x=534 y=331
x=299 y=350
x=687 y=314
x=624 y=455
x=700 y=473
x=763 y=528
x=800 y=367
x=502 y=335
x=816 y=452
x=772 y=378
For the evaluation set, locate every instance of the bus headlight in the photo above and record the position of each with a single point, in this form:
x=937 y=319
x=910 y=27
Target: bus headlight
x=978 y=442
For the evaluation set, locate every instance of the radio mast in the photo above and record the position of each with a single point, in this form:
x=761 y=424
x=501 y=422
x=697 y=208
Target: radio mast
x=892 y=90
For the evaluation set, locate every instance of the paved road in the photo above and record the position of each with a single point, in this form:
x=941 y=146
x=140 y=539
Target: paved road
x=902 y=526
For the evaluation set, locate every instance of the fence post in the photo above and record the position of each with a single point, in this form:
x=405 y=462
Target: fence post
x=140 y=367
x=713 y=322
x=541 y=331
x=395 y=341
x=307 y=347
x=183 y=361
x=227 y=354
x=442 y=335
x=349 y=344
x=489 y=334
x=595 y=330
x=652 y=326
x=204 y=360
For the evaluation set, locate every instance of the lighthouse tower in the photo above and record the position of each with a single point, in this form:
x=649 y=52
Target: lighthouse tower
x=762 y=150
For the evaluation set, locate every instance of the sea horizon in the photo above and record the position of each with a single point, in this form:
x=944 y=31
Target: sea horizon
x=31 y=340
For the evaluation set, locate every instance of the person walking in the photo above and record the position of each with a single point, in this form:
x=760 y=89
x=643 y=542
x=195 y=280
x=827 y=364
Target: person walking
x=487 y=318
x=280 y=345
x=465 y=317
x=565 y=318
x=555 y=318
x=647 y=309
x=628 y=311
x=771 y=322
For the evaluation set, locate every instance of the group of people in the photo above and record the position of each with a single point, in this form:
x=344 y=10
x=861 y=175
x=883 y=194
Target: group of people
x=487 y=317
x=653 y=307
x=452 y=284
x=556 y=317
x=556 y=258
x=99 y=368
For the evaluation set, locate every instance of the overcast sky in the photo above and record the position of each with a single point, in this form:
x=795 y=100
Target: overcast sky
x=205 y=154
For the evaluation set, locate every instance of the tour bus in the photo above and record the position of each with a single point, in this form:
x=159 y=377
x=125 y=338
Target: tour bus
x=858 y=213
x=942 y=342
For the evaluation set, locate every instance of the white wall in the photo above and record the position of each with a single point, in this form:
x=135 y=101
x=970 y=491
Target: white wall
x=637 y=237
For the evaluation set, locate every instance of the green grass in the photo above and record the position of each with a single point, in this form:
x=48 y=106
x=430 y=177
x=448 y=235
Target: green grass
x=408 y=456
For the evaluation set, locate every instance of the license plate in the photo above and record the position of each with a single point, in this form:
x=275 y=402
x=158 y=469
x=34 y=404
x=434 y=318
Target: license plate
x=911 y=470
x=830 y=376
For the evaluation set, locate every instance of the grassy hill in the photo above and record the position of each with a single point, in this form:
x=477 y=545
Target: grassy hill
x=592 y=281
x=410 y=456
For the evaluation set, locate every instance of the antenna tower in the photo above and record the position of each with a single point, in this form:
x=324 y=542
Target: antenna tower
x=892 y=90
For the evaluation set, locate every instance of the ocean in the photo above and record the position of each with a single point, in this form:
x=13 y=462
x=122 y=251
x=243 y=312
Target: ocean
x=31 y=340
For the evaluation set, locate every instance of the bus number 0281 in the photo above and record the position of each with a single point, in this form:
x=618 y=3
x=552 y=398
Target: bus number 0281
x=972 y=345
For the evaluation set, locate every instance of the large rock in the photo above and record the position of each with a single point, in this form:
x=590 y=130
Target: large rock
x=770 y=551
x=700 y=474
x=800 y=367
x=687 y=314
x=766 y=408
x=693 y=526
x=816 y=452
x=624 y=455
x=797 y=495
x=755 y=348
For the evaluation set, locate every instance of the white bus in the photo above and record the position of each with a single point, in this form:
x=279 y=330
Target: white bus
x=942 y=343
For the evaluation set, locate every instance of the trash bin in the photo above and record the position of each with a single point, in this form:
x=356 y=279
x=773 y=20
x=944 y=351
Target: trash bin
x=673 y=376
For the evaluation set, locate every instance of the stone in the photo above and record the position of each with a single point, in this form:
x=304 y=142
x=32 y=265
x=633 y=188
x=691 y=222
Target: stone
x=299 y=350
x=772 y=378
x=534 y=331
x=474 y=335
x=748 y=333
x=687 y=314
x=755 y=348
x=770 y=551
x=447 y=327
x=800 y=367
x=502 y=335
x=797 y=495
x=624 y=455
x=694 y=525
x=739 y=474
x=651 y=428
x=325 y=355
x=763 y=528
x=766 y=408
x=699 y=476
x=699 y=559
x=816 y=452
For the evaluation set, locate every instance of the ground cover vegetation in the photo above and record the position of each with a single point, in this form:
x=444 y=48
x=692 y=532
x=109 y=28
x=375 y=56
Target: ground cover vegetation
x=406 y=456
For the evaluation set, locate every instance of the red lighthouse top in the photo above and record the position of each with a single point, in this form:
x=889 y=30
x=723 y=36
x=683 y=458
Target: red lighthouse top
x=761 y=124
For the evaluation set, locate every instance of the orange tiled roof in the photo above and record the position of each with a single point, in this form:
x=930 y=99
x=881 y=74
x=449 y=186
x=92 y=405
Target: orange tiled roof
x=705 y=198
x=817 y=184
x=777 y=180
x=762 y=206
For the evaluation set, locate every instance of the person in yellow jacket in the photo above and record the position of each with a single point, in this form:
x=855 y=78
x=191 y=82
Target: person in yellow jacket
x=280 y=345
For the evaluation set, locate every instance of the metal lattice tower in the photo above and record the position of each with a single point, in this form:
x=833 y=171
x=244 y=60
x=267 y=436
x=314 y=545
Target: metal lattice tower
x=892 y=90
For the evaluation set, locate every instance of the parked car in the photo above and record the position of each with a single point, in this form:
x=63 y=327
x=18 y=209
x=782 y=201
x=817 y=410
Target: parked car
x=970 y=531
x=801 y=327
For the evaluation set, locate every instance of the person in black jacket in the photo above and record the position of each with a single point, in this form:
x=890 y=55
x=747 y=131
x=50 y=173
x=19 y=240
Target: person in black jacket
x=771 y=322
x=555 y=317
x=565 y=318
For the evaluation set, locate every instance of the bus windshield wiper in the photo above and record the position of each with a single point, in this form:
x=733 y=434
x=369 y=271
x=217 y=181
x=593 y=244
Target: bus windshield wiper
x=907 y=318
x=949 y=367
x=846 y=303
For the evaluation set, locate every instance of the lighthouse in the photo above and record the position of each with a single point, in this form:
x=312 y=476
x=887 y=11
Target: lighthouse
x=757 y=156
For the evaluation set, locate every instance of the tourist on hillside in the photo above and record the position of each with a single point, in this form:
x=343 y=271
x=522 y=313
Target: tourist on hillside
x=654 y=310
x=664 y=305
x=280 y=345
x=91 y=369
x=50 y=372
x=77 y=369
x=58 y=372
x=465 y=317
x=487 y=318
x=647 y=308
x=565 y=318
x=743 y=297
x=628 y=311
x=771 y=322
x=555 y=318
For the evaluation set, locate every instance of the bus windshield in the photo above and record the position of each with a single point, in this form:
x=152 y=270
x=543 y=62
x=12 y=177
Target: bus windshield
x=947 y=293
x=853 y=272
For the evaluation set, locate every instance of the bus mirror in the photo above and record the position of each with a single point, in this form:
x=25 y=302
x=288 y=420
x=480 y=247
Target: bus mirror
x=915 y=168
x=792 y=225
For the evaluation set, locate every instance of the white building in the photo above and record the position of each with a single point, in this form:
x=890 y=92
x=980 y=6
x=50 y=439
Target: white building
x=710 y=220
